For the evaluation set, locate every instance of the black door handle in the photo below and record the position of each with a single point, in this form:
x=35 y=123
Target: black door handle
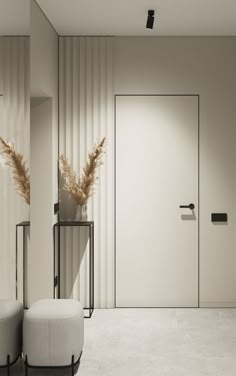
x=190 y=206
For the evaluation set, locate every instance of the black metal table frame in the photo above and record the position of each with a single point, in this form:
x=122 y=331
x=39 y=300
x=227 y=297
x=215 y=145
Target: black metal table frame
x=72 y=365
x=57 y=278
x=9 y=364
x=24 y=225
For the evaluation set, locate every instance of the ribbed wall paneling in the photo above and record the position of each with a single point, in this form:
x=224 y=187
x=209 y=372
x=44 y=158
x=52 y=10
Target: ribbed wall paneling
x=87 y=115
x=14 y=126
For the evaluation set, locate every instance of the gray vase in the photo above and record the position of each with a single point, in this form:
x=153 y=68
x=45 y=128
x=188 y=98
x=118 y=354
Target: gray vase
x=81 y=213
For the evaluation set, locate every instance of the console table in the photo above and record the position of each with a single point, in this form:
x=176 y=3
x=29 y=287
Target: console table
x=57 y=273
x=24 y=226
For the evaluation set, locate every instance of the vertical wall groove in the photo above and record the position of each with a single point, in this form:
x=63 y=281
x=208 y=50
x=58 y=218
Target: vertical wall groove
x=86 y=115
x=14 y=126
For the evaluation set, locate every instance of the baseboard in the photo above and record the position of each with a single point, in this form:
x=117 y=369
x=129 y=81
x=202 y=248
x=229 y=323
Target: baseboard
x=218 y=305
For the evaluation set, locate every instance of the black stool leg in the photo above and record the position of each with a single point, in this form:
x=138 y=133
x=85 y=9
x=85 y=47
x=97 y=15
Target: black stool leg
x=26 y=366
x=72 y=365
x=8 y=365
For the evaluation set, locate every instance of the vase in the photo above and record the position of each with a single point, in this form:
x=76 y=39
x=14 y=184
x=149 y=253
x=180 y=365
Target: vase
x=81 y=213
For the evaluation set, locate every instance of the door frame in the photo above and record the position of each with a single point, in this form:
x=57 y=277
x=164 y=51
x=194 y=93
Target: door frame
x=198 y=186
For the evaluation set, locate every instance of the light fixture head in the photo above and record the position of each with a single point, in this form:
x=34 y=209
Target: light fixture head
x=150 y=19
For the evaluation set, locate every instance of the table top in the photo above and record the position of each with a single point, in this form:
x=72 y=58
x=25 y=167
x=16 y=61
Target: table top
x=74 y=223
x=24 y=223
x=61 y=223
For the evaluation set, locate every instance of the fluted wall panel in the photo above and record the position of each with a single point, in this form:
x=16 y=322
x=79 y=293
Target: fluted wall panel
x=15 y=127
x=86 y=101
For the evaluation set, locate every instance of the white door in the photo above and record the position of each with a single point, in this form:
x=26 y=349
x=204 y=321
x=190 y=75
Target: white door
x=156 y=173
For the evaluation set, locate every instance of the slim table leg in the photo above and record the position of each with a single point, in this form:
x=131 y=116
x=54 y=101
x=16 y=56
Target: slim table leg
x=16 y=262
x=54 y=264
x=59 y=261
x=90 y=271
x=24 y=268
x=73 y=365
x=26 y=366
x=92 y=262
x=8 y=365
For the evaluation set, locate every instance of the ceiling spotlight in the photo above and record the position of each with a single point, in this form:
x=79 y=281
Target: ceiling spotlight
x=150 y=19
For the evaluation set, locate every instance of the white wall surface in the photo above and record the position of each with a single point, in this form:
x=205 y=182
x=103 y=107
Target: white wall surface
x=44 y=74
x=44 y=84
x=14 y=126
x=160 y=65
x=205 y=66
x=86 y=116
x=14 y=17
x=41 y=262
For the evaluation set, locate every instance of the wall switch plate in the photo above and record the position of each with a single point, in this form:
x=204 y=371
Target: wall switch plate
x=56 y=208
x=219 y=217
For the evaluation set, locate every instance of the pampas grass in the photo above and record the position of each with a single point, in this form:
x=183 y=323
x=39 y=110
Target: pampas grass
x=82 y=187
x=20 y=172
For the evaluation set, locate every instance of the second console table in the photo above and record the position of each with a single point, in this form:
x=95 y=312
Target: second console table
x=57 y=254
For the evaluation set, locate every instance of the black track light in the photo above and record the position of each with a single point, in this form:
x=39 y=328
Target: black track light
x=150 y=19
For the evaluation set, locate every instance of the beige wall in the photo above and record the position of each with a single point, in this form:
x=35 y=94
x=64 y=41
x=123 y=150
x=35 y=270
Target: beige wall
x=177 y=65
x=205 y=66
x=44 y=115
x=14 y=126
x=86 y=116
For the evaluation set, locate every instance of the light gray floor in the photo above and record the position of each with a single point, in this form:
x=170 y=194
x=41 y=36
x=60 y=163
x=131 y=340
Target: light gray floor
x=156 y=342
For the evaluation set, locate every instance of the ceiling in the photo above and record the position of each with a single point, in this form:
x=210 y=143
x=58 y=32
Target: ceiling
x=14 y=17
x=123 y=17
x=128 y=17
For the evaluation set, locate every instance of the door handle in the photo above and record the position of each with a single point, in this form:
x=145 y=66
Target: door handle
x=190 y=206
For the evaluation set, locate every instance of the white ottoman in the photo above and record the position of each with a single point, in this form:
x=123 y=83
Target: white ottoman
x=11 y=318
x=53 y=333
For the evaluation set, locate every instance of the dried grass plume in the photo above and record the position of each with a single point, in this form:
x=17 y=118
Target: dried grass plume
x=82 y=187
x=20 y=172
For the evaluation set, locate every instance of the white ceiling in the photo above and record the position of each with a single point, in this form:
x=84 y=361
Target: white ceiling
x=14 y=17
x=128 y=17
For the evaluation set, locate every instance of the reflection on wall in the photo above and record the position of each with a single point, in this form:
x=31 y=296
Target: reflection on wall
x=14 y=126
x=86 y=115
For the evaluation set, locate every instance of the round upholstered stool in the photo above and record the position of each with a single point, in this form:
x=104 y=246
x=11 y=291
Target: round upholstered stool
x=53 y=333
x=11 y=318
